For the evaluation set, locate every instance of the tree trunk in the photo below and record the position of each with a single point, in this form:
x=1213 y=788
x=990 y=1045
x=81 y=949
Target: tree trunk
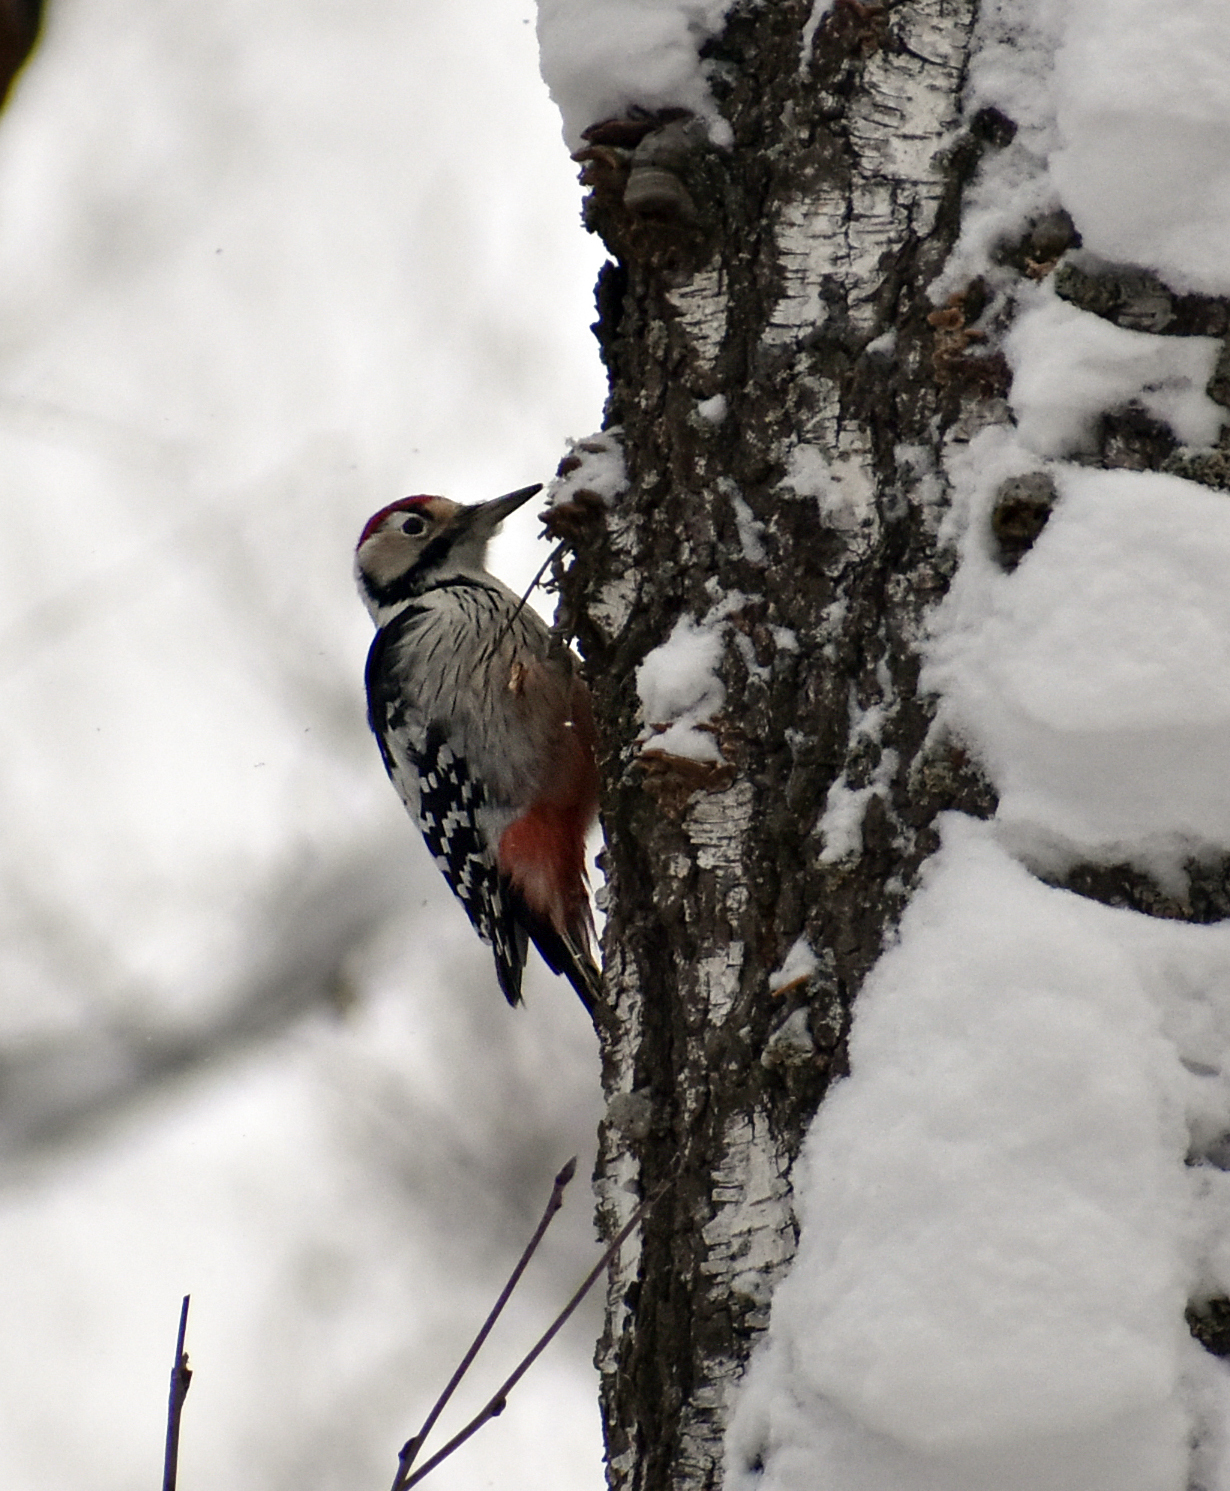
x=788 y=395
x=803 y=521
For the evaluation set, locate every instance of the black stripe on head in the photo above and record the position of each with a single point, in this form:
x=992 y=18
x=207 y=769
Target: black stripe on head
x=422 y=575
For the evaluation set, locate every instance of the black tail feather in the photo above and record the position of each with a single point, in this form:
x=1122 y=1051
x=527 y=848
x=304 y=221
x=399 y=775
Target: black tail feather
x=509 y=942
x=561 y=953
x=509 y=926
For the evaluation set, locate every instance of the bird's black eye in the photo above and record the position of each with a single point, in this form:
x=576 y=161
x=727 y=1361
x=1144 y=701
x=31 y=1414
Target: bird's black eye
x=414 y=525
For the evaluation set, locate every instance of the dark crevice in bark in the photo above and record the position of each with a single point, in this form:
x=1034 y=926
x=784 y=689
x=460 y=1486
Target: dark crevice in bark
x=1209 y=1323
x=1138 y=300
x=1020 y=512
x=1130 y=439
x=1204 y=897
x=1038 y=249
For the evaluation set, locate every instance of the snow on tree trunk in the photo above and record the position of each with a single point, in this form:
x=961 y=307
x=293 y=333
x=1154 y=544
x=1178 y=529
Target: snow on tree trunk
x=809 y=349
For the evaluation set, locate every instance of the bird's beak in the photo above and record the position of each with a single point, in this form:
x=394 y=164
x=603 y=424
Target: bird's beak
x=486 y=517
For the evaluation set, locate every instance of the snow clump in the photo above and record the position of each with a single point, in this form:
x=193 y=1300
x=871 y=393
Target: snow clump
x=680 y=691
x=601 y=57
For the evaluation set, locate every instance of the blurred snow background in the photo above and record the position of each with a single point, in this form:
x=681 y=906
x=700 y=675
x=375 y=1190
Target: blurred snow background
x=262 y=270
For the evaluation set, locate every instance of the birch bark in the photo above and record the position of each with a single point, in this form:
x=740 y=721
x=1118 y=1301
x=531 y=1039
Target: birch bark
x=785 y=391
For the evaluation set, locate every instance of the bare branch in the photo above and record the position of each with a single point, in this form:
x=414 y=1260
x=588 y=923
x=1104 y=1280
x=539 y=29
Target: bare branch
x=497 y=1403
x=533 y=585
x=181 y=1379
x=412 y=1446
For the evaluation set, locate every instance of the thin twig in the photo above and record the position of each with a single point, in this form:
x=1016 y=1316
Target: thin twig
x=498 y=1402
x=181 y=1377
x=412 y=1446
x=533 y=585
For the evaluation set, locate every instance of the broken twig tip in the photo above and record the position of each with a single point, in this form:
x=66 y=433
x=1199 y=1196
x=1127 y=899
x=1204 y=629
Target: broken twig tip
x=181 y=1378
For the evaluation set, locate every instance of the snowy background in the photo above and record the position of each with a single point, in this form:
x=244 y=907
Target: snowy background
x=264 y=269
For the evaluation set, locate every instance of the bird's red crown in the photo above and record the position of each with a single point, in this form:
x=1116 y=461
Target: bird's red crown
x=402 y=505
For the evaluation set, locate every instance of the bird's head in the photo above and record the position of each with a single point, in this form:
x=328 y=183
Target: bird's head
x=417 y=542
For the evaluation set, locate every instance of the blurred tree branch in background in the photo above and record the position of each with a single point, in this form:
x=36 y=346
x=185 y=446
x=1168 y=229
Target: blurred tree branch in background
x=20 y=21
x=53 y=1088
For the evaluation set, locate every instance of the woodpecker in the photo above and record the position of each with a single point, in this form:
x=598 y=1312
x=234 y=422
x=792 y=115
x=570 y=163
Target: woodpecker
x=486 y=731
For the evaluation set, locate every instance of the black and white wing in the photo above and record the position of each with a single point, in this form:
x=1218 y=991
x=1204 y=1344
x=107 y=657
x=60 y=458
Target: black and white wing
x=447 y=803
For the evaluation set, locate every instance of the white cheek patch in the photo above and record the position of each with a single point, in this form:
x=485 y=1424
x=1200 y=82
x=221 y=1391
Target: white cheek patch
x=388 y=554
